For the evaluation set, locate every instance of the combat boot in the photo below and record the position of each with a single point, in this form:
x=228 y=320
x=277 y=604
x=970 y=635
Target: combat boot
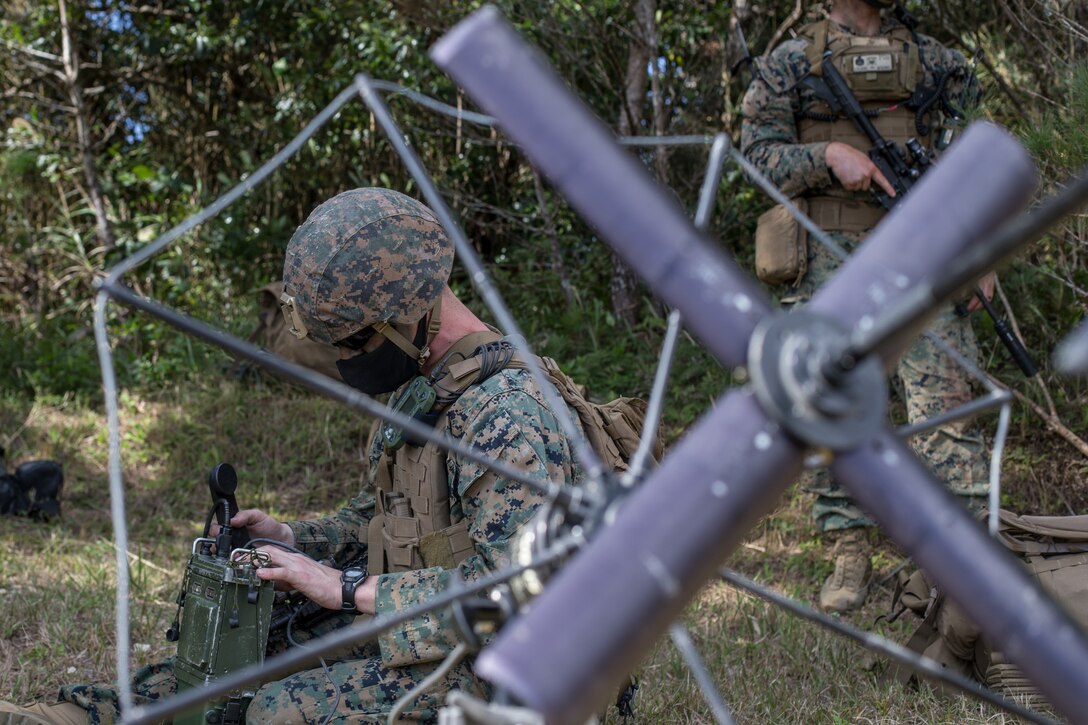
x=15 y=492
x=848 y=585
x=62 y=713
x=18 y=496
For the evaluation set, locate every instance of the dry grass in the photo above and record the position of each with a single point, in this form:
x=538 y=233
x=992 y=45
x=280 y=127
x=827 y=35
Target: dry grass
x=298 y=456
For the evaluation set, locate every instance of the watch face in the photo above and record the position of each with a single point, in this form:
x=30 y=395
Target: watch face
x=352 y=573
x=350 y=578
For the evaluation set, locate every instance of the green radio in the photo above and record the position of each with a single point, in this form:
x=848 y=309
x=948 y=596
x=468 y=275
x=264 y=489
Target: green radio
x=225 y=609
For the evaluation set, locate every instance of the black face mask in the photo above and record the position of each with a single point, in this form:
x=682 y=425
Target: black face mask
x=384 y=369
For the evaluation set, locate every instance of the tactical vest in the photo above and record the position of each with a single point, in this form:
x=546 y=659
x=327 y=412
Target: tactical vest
x=883 y=72
x=413 y=523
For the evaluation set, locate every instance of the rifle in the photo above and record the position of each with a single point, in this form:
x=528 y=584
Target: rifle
x=902 y=173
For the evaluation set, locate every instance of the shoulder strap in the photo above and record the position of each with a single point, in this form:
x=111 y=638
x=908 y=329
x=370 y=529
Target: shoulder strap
x=1035 y=535
x=816 y=32
x=467 y=345
x=613 y=429
x=466 y=372
x=903 y=34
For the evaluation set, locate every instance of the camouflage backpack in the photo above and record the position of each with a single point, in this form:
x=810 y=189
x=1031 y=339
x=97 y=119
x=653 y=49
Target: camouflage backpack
x=1054 y=550
x=613 y=429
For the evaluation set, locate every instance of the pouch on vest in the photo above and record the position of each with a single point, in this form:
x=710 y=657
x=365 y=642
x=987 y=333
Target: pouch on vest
x=879 y=69
x=781 y=245
x=414 y=527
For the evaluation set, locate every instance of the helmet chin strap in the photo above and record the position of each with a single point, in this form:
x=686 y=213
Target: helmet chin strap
x=434 y=322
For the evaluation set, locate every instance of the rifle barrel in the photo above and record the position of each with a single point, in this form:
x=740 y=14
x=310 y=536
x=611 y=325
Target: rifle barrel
x=1016 y=348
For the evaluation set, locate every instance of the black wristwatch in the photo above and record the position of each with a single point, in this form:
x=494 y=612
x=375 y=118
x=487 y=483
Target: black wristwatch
x=350 y=579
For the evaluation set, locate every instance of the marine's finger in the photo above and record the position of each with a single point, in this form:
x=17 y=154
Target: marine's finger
x=274 y=573
x=281 y=577
x=883 y=182
x=245 y=517
x=277 y=557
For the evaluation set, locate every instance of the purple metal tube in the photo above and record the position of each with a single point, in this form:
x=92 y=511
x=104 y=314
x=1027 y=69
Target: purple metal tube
x=889 y=482
x=720 y=303
x=983 y=181
x=600 y=614
x=668 y=537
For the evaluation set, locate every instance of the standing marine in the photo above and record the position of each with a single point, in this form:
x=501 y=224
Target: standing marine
x=911 y=87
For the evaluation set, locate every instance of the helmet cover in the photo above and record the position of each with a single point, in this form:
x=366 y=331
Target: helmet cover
x=364 y=256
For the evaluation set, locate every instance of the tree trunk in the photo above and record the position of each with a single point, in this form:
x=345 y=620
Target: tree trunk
x=640 y=54
x=70 y=54
x=558 y=265
x=737 y=63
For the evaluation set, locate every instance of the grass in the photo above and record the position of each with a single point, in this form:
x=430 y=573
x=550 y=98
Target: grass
x=299 y=456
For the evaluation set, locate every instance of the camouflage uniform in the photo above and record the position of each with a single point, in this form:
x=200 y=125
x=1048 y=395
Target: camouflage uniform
x=506 y=416
x=928 y=380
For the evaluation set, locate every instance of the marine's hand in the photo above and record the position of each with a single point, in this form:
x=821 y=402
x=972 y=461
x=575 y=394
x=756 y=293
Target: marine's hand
x=318 y=582
x=296 y=571
x=260 y=525
x=986 y=285
x=854 y=169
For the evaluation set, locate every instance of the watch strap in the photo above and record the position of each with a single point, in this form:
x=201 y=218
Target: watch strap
x=347 y=591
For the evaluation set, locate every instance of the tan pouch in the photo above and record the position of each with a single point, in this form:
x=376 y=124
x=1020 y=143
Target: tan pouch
x=781 y=245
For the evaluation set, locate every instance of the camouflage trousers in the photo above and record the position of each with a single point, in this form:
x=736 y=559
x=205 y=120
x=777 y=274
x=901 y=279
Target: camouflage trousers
x=929 y=382
x=357 y=686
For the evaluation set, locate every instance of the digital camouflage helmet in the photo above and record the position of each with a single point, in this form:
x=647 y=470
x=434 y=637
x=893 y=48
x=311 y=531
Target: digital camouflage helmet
x=365 y=257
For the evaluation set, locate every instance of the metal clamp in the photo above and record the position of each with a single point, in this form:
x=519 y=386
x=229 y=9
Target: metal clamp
x=787 y=359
